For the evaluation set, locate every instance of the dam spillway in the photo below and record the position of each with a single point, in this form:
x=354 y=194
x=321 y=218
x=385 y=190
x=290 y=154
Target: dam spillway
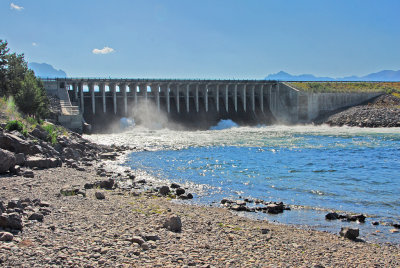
x=195 y=103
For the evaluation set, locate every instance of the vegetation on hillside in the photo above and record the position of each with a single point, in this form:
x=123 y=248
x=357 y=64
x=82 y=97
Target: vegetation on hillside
x=21 y=84
x=348 y=87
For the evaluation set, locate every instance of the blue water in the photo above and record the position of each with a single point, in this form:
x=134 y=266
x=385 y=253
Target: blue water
x=317 y=168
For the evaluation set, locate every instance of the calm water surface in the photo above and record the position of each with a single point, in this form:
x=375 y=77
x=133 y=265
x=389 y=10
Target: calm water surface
x=318 y=168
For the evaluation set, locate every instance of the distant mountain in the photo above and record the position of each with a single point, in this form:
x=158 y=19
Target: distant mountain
x=45 y=70
x=386 y=75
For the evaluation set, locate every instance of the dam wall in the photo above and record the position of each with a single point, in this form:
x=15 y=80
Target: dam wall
x=193 y=103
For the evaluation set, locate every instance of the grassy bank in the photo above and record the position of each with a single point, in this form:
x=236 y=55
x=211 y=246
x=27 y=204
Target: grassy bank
x=348 y=87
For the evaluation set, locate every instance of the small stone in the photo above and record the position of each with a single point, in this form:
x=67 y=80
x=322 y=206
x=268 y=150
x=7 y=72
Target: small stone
x=145 y=246
x=100 y=195
x=151 y=237
x=173 y=223
x=375 y=223
x=36 y=217
x=394 y=231
x=332 y=216
x=137 y=240
x=175 y=186
x=264 y=231
x=6 y=237
x=349 y=233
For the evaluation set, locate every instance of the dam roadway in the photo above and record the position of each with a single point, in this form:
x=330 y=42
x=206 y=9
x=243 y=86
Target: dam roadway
x=196 y=103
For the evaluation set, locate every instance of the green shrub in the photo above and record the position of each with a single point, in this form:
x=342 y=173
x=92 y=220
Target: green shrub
x=52 y=133
x=14 y=125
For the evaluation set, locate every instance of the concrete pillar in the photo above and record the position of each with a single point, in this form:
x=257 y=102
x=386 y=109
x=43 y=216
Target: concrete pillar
x=216 y=96
x=187 y=97
x=253 y=99
x=143 y=91
x=113 y=89
x=122 y=87
x=197 y=98
x=80 y=88
x=102 y=88
x=226 y=97
x=177 y=97
x=133 y=89
x=167 y=96
x=235 y=92
x=75 y=89
x=261 y=96
x=91 y=90
x=244 y=97
x=205 y=95
x=157 y=90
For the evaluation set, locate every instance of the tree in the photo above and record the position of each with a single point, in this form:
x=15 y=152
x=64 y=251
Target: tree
x=20 y=82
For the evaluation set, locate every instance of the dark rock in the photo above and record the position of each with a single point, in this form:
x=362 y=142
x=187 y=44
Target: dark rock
x=359 y=218
x=173 y=223
x=89 y=185
x=28 y=174
x=16 y=170
x=14 y=203
x=20 y=159
x=179 y=191
x=265 y=231
x=151 y=237
x=225 y=201
x=396 y=225
x=39 y=132
x=7 y=160
x=15 y=144
x=349 y=233
x=238 y=208
x=109 y=156
x=240 y=203
x=107 y=184
x=70 y=191
x=2 y=208
x=164 y=190
x=36 y=217
x=375 y=223
x=274 y=208
x=175 y=186
x=100 y=195
x=189 y=196
x=332 y=216
x=12 y=221
x=141 y=181
x=6 y=237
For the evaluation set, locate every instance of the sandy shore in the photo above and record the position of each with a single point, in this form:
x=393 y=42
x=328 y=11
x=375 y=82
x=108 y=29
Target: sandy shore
x=87 y=232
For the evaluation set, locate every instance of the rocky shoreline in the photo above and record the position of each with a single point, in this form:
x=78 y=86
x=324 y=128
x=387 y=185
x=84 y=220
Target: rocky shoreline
x=383 y=111
x=79 y=213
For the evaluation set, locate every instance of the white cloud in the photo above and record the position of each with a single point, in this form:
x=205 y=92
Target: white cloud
x=104 y=50
x=34 y=44
x=16 y=7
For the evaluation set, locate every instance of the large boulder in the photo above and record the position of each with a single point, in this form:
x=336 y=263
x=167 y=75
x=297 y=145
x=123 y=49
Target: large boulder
x=7 y=160
x=15 y=144
x=39 y=132
x=42 y=162
x=11 y=220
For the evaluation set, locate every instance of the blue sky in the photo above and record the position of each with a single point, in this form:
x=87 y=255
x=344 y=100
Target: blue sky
x=205 y=38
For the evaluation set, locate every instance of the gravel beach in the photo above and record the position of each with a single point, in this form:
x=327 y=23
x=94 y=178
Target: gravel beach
x=127 y=229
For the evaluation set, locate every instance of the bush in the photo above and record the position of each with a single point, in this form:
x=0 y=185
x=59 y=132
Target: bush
x=16 y=125
x=52 y=133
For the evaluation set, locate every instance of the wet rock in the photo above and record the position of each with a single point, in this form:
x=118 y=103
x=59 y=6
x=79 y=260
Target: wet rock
x=225 y=201
x=189 y=196
x=349 y=233
x=274 y=208
x=332 y=216
x=175 y=186
x=179 y=191
x=375 y=223
x=358 y=217
x=186 y=196
x=164 y=190
x=173 y=223
x=100 y=195
x=7 y=160
x=6 y=237
x=396 y=225
x=36 y=217
x=11 y=220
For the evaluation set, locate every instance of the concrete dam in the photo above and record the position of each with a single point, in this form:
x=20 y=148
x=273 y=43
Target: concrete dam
x=193 y=103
